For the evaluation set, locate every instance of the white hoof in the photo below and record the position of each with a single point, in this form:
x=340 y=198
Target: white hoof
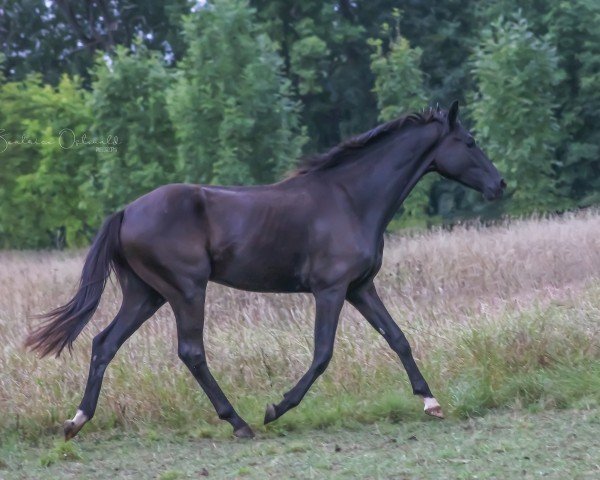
x=432 y=407
x=71 y=427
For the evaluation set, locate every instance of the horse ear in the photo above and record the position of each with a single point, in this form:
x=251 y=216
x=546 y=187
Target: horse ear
x=453 y=114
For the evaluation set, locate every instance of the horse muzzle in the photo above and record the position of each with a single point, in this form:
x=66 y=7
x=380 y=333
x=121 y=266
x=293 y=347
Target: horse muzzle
x=495 y=192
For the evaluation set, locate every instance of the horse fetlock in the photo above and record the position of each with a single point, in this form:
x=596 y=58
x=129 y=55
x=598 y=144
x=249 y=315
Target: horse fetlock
x=421 y=388
x=226 y=413
x=270 y=413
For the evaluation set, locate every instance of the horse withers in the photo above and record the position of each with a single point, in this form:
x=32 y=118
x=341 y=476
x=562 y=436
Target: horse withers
x=320 y=231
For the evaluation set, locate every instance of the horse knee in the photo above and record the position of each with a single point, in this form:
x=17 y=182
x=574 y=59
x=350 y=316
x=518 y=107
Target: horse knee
x=191 y=355
x=322 y=362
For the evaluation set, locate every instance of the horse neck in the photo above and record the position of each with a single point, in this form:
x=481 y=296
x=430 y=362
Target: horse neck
x=381 y=177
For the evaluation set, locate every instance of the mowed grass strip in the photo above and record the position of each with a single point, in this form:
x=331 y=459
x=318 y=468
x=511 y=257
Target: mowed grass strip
x=557 y=444
x=499 y=317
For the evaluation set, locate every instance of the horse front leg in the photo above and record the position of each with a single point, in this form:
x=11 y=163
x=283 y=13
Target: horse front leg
x=366 y=300
x=328 y=306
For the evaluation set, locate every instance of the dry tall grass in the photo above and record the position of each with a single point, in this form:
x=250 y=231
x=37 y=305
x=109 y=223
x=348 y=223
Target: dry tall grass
x=502 y=316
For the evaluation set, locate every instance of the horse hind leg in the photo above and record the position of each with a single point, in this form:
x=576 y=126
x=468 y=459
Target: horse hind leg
x=140 y=302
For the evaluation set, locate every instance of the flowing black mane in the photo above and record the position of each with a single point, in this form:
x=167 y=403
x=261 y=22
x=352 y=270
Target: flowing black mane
x=337 y=154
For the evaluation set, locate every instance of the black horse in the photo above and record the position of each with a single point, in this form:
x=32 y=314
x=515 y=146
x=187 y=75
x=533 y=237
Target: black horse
x=319 y=231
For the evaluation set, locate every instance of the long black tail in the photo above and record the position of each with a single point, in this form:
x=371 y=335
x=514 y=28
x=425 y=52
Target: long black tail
x=62 y=325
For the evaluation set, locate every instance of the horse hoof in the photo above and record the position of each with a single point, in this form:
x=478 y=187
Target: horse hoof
x=70 y=429
x=270 y=413
x=433 y=408
x=435 y=412
x=244 y=432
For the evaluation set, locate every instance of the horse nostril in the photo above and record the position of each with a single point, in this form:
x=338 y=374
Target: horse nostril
x=502 y=183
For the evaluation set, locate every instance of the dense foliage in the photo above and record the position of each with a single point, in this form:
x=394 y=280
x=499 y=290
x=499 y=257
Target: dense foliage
x=235 y=119
x=524 y=147
x=233 y=91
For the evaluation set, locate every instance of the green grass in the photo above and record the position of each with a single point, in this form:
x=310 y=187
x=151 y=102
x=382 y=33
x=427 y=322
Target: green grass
x=557 y=444
x=61 y=452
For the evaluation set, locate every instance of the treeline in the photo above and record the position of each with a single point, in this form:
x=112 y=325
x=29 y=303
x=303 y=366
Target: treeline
x=103 y=101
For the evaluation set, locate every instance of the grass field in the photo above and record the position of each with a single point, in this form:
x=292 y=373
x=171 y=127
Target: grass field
x=551 y=445
x=506 y=317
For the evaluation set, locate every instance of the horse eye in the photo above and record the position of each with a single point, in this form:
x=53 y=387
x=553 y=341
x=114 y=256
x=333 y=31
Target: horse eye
x=471 y=143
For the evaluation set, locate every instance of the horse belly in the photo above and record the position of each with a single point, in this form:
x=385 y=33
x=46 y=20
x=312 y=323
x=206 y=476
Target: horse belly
x=255 y=260
x=261 y=273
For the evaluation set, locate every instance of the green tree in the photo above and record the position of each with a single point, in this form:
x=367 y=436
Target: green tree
x=44 y=194
x=326 y=57
x=130 y=107
x=234 y=117
x=398 y=76
x=446 y=32
x=399 y=90
x=574 y=28
x=62 y=36
x=517 y=75
x=35 y=39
